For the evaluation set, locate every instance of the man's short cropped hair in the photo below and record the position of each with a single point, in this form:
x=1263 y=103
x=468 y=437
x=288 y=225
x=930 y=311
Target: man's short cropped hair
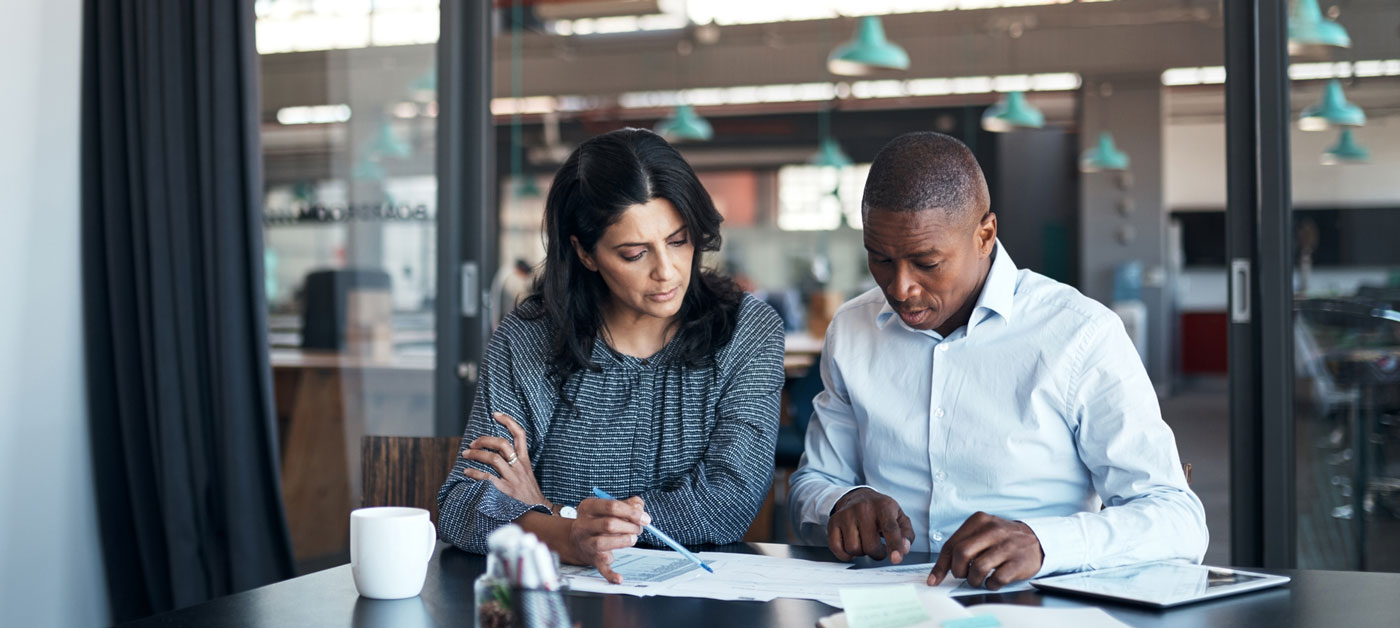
x=926 y=170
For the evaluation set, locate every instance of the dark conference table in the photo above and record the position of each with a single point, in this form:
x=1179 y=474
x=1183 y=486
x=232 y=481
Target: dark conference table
x=1334 y=599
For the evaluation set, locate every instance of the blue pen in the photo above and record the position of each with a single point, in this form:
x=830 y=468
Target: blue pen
x=602 y=494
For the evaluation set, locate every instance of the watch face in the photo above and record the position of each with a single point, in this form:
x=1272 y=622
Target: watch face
x=568 y=512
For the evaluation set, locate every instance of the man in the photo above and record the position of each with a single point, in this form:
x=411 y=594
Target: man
x=981 y=411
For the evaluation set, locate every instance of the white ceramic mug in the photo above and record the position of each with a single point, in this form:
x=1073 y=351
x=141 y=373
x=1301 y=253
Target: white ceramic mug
x=389 y=551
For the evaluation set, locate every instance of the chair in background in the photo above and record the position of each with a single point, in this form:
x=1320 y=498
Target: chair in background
x=347 y=307
x=406 y=470
x=1349 y=458
x=800 y=392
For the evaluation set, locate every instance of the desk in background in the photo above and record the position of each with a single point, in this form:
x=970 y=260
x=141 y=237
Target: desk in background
x=1326 y=599
x=325 y=402
x=800 y=352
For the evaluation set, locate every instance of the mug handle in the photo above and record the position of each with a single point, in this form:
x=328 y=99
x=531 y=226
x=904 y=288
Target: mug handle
x=432 y=537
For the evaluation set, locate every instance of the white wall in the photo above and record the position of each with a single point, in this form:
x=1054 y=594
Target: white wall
x=1194 y=178
x=1194 y=167
x=50 y=561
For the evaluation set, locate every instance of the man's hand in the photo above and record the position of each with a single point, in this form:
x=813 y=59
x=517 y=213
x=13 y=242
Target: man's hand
x=989 y=552
x=866 y=523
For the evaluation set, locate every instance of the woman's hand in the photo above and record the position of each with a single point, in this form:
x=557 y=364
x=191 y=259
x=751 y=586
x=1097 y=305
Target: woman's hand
x=511 y=460
x=604 y=525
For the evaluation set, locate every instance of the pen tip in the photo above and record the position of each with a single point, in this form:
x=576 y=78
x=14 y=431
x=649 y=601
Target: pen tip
x=707 y=567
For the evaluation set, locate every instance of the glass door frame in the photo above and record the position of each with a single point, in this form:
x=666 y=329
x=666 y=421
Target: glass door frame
x=466 y=215
x=1259 y=245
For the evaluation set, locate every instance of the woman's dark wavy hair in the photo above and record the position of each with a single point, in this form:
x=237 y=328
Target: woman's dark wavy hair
x=598 y=183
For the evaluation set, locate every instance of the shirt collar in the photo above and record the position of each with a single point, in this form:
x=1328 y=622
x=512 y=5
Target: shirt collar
x=996 y=297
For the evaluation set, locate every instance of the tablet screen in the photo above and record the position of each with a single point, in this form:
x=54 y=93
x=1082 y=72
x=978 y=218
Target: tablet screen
x=1156 y=581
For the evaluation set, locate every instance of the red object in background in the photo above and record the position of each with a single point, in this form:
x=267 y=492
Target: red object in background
x=1204 y=342
x=735 y=193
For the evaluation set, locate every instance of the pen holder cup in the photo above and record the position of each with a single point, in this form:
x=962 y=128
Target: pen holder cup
x=501 y=605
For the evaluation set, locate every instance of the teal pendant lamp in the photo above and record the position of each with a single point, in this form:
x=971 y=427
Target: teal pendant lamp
x=367 y=168
x=525 y=187
x=424 y=88
x=685 y=124
x=1333 y=110
x=1011 y=113
x=829 y=154
x=1345 y=151
x=388 y=144
x=867 y=52
x=1104 y=157
x=1311 y=34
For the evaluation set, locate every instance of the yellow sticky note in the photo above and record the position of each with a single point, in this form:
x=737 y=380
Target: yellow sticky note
x=894 y=606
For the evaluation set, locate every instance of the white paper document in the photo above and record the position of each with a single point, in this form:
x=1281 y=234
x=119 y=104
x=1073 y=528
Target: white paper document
x=749 y=577
x=890 y=607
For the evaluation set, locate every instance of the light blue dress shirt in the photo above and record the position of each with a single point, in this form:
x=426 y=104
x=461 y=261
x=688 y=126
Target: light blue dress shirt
x=1035 y=411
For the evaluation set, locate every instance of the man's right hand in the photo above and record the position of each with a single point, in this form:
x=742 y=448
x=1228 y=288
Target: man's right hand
x=866 y=523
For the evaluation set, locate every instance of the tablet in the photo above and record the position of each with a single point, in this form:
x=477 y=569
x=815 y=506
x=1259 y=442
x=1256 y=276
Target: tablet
x=1159 y=584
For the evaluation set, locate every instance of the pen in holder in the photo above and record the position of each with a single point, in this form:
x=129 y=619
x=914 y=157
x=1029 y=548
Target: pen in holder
x=521 y=587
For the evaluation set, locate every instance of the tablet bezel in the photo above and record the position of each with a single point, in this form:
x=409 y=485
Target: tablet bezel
x=1055 y=584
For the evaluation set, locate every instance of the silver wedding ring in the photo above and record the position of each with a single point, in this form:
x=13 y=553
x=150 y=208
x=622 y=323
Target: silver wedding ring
x=513 y=458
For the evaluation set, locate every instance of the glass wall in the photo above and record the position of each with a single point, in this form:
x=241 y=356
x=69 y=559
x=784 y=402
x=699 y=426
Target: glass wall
x=783 y=138
x=1345 y=140
x=348 y=128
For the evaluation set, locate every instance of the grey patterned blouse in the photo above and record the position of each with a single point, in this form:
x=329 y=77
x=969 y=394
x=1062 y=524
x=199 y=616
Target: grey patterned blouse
x=695 y=443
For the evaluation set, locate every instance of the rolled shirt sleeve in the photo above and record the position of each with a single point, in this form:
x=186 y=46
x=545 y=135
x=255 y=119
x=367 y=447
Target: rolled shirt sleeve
x=830 y=465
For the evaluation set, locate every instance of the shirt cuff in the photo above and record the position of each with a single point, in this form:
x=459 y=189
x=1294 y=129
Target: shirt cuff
x=1061 y=540
x=502 y=507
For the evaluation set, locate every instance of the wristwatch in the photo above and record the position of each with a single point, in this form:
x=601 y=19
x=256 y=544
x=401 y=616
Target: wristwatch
x=568 y=512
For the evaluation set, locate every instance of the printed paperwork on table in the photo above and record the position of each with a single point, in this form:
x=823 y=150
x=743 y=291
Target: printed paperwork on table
x=750 y=577
x=901 y=607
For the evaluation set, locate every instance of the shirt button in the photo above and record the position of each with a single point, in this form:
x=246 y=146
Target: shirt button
x=937 y=536
x=938 y=412
x=940 y=476
x=943 y=348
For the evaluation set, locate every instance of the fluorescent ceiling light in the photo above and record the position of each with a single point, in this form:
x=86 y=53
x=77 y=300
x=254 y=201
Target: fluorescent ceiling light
x=595 y=9
x=789 y=93
x=748 y=12
x=296 y=25
x=807 y=92
x=678 y=14
x=528 y=105
x=317 y=114
x=1215 y=75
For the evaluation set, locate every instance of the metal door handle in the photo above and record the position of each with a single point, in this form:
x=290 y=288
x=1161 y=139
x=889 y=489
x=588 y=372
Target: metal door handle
x=1240 y=288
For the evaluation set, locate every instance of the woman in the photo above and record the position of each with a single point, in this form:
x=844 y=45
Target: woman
x=631 y=369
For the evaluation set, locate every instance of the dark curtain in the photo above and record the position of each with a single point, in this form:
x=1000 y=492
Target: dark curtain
x=179 y=381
